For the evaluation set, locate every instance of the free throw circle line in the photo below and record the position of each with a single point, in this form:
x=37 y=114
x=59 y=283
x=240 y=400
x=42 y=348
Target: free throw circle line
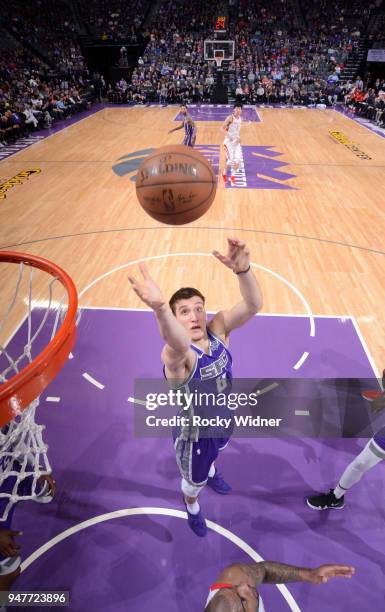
x=162 y=512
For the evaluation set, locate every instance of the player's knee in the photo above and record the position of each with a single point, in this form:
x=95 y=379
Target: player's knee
x=191 y=490
x=366 y=459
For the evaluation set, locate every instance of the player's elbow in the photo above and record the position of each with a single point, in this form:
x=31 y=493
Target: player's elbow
x=254 y=306
x=185 y=347
x=180 y=346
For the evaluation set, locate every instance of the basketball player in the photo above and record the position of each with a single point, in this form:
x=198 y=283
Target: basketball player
x=232 y=143
x=197 y=351
x=235 y=588
x=373 y=453
x=45 y=491
x=190 y=130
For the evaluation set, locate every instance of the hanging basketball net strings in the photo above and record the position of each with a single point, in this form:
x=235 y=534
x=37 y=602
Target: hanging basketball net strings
x=23 y=454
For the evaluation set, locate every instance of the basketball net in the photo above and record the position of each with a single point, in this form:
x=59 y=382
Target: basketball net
x=23 y=453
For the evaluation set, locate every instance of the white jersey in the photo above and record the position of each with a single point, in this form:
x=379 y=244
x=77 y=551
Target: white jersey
x=234 y=129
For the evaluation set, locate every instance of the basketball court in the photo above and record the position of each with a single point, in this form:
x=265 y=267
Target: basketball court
x=308 y=201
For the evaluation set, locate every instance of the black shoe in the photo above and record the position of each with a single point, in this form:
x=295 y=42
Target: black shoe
x=325 y=501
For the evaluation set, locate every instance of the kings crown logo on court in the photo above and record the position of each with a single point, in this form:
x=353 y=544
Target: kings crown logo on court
x=259 y=167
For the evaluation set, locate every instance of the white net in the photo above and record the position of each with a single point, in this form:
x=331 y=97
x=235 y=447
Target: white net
x=23 y=453
x=23 y=460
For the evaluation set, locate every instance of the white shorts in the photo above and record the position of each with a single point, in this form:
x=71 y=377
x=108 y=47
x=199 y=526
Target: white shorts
x=233 y=151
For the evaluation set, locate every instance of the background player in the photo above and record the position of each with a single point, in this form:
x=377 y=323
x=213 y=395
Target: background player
x=235 y=588
x=373 y=453
x=43 y=493
x=197 y=350
x=232 y=144
x=190 y=130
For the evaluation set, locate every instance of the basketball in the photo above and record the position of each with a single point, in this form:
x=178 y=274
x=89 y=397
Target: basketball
x=176 y=185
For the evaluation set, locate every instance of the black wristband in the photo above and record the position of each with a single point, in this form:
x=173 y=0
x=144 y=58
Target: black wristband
x=243 y=271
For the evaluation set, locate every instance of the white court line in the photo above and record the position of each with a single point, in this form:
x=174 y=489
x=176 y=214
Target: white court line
x=260 y=392
x=297 y=292
x=365 y=347
x=134 y=400
x=302 y=412
x=70 y=356
x=301 y=360
x=93 y=381
x=167 y=255
x=162 y=512
x=52 y=399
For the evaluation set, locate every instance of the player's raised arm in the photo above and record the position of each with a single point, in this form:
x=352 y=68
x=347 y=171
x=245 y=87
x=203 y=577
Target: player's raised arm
x=172 y=332
x=281 y=573
x=238 y=260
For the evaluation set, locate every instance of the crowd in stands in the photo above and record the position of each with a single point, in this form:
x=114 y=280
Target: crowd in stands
x=43 y=77
x=280 y=57
x=47 y=28
x=114 y=20
x=172 y=67
x=31 y=99
x=368 y=102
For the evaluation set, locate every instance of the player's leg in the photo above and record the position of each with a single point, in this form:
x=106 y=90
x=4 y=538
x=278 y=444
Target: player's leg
x=10 y=559
x=235 y=162
x=193 y=138
x=228 y=160
x=195 y=459
x=372 y=454
x=215 y=479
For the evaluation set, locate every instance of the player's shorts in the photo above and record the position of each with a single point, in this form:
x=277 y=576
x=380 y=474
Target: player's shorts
x=194 y=459
x=189 y=139
x=378 y=442
x=233 y=151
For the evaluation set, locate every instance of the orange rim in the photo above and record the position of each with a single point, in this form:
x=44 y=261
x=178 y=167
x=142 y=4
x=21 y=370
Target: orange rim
x=17 y=393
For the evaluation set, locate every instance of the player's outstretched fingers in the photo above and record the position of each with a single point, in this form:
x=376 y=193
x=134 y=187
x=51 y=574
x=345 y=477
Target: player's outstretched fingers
x=144 y=270
x=222 y=258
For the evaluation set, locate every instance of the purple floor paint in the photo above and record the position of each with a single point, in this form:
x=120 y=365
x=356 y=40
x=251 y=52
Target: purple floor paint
x=148 y=562
x=259 y=166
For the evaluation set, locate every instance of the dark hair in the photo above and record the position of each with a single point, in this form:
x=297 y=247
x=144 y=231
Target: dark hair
x=184 y=294
x=237 y=105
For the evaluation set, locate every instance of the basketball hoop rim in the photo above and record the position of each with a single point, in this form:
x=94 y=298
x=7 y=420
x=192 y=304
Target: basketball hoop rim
x=17 y=393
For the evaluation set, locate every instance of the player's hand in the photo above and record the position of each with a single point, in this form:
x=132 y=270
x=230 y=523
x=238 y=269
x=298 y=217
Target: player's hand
x=147 y=290
x=8 y=547
x=323 y=573
x=48 y=478
x=237 y=257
